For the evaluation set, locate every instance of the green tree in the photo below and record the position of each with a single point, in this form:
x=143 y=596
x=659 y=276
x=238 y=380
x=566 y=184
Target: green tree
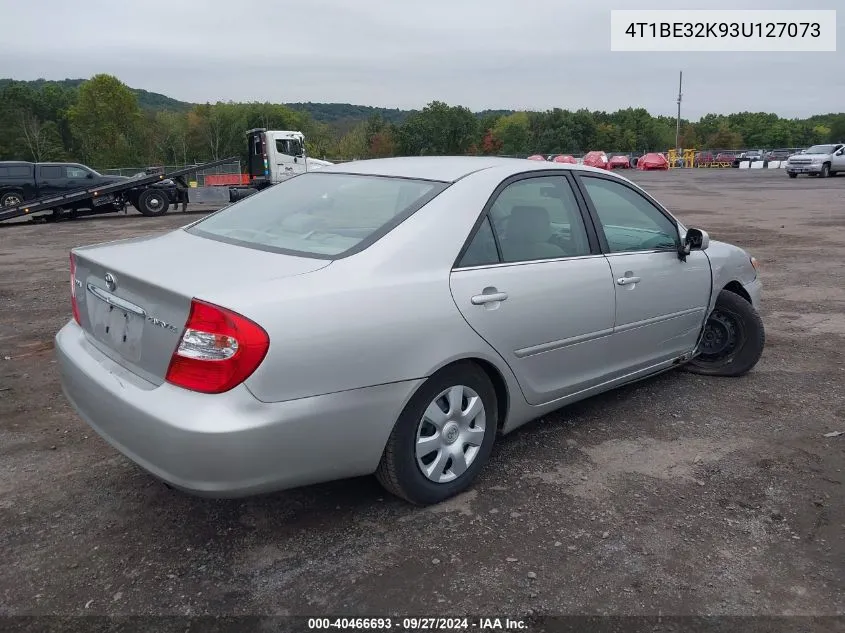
x=30 y=129
x=837 y=129
x=725 y=138
x=439 y=129
x=513 y=132
x=105 y=120
x=353 y=145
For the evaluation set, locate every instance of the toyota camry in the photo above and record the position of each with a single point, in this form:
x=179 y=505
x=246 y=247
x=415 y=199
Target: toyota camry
x=392 y=316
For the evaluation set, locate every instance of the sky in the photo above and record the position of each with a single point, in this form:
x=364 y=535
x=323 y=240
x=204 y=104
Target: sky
x=483 y=54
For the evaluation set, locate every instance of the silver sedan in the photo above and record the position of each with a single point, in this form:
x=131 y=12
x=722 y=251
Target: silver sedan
x=391 y=317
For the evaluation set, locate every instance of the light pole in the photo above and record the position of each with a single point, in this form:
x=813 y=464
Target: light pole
x=678 y=122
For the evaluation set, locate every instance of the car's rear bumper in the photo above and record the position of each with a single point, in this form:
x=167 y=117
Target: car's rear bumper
x=228 y=444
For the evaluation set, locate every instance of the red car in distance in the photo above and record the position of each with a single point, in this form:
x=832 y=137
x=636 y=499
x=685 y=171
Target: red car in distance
x=619 y=162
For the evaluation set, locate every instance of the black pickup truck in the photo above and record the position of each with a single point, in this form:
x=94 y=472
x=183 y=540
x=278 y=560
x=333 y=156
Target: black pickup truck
x=22 y=181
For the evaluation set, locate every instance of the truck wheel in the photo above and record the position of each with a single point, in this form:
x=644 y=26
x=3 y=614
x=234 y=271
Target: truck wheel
x=825 y=172
x=733 y=339
x=152 y=203
x=11 y=199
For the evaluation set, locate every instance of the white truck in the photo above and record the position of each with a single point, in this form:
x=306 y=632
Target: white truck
x=819 y=160
x=275 y=155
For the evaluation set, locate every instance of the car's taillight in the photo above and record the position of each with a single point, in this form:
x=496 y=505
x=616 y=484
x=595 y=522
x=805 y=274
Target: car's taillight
x=219 y=349
x=74 y=305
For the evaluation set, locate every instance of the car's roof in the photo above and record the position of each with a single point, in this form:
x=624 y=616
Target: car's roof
x=445 y=168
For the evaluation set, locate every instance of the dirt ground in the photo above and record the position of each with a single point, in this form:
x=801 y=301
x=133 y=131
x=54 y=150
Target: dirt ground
x=678 y=495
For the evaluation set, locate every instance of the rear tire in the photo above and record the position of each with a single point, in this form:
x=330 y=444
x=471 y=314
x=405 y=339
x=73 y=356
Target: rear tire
x=417 y=464
x=733 y=341
x=153 y=203
x=11 y=199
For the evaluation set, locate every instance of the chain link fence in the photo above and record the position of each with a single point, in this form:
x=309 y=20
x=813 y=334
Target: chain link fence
x=231 y=173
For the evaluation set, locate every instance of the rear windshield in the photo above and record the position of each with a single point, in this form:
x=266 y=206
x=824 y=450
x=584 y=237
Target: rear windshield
x=319 y=214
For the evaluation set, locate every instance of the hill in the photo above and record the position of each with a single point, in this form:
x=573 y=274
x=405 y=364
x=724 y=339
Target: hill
x=340 y=116
x=147 y=100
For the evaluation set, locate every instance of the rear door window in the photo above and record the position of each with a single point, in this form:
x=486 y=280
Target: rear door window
x=51 y=172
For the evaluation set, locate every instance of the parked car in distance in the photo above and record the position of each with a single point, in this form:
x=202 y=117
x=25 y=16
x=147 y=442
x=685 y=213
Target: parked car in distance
x=703 y=158
x=21 y=181
x=392 y=316
x=596 y=159
x=753 y=155
x=619 y=161
x=778 y=154
x=653 y=161
x=818 y=160
x=725 y=157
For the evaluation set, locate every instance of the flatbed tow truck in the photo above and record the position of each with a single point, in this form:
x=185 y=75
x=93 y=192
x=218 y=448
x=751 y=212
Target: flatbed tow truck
x=274 y=156
x=102 y=198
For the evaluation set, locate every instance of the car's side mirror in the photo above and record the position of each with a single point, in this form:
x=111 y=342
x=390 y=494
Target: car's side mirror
x=696 y=240
x=693 y=240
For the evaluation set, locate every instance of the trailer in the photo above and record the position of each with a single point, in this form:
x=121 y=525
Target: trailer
x=108 y=198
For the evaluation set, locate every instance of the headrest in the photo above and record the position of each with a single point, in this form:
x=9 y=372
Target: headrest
x=529 y=224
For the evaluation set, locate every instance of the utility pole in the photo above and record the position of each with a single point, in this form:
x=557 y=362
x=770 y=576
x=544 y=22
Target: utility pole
x=678 y=123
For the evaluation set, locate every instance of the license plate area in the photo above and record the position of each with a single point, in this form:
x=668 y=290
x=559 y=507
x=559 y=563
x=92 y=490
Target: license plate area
x=119 y=328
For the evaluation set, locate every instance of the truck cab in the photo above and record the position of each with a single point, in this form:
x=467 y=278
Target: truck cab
x=275 y=155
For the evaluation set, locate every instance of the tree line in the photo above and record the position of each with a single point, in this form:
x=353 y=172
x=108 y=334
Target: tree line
x=100 y=122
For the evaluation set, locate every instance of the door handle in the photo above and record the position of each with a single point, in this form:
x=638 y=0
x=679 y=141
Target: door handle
x=624 y=281
x=492 y=297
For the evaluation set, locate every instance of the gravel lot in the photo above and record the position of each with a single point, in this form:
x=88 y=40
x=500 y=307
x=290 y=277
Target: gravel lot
x=678 y=495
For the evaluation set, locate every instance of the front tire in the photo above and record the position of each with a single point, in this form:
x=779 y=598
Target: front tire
x=442 y=438
x=733 y=340
x=793 y=175
x=825 y=172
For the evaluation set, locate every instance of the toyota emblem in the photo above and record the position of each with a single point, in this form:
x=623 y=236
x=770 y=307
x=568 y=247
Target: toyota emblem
x=111 y=282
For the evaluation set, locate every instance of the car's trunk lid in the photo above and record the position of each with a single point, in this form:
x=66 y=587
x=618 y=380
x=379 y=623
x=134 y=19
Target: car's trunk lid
x=134 y=296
